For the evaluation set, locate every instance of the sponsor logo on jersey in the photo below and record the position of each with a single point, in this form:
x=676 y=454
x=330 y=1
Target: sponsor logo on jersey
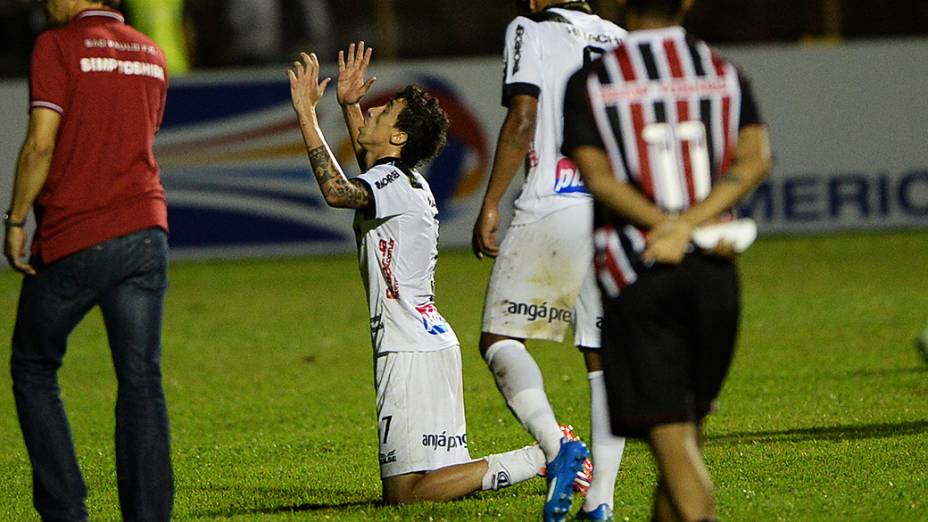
x=535 y=312
x=125 y=67
x=432 y=321
x=517 y=48
x=567 y=178
x=601 y=38
x=386 y=180
x=376 y=323
x=386 y=267
x=443 y=440
x=377 y=328
x=388 y=458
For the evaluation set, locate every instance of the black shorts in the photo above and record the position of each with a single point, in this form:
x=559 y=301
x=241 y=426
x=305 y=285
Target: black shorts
x=668 y=341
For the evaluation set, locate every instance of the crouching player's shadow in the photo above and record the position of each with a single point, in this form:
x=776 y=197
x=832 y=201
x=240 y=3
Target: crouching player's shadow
x=294 y=508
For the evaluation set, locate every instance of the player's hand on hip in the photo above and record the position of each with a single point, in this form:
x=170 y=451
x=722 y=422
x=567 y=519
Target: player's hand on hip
x=351 y=85
x=14 y=247
x=484 y=239
x=305 y=88
x=668 y=242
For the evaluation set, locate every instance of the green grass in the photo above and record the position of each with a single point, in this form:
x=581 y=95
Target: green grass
x=268 y=373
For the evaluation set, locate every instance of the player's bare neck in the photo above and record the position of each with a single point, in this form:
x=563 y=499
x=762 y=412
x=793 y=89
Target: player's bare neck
x=372 y=157
x=647 y=22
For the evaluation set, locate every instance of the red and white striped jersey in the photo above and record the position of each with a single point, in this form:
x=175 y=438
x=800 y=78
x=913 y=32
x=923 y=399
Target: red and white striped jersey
x=667 y=110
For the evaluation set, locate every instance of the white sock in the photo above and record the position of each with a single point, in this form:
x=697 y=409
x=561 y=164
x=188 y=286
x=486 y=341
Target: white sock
x=606 y=449
x=519 y=379
x=506 y=469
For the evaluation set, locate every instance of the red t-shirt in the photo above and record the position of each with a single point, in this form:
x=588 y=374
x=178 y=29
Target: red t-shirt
x=108 y=82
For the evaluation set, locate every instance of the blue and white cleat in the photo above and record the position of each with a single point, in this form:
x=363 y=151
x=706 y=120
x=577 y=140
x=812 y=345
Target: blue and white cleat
x=561 y=473
x=601 y=513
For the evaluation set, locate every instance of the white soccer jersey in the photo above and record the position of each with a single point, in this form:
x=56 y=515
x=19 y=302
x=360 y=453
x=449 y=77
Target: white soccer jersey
x=542 y=52
x=398 y=250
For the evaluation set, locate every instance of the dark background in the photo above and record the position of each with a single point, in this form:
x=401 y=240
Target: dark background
x=415 y=29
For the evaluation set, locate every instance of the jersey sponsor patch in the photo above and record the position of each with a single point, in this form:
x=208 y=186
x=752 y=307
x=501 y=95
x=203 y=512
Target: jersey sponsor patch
x=386 y=180
x=386 y=267
x=444 y=441
x=432 y=321
x=517 y=49
x=386 y=458
x=567 y=178
x=125 y=67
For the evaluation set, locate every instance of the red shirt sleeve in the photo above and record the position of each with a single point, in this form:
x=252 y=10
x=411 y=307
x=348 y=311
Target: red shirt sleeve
x=48 y=81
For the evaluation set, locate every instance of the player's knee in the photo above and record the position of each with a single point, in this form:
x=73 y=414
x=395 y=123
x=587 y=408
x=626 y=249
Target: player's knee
x=592 y=358
x=400 y=489
x=487 y=340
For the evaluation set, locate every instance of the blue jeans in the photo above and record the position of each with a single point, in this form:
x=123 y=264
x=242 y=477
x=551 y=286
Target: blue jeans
x=127 y=278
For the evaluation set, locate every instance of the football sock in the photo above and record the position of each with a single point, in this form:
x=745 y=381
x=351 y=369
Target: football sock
x=505 y=469
x=519 y=380
x=606 y=449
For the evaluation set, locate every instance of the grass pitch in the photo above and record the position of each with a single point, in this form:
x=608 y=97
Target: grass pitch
x=269 y=376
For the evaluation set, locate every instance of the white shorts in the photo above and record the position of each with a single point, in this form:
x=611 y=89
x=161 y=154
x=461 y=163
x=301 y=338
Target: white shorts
x=543 y=280
x=420 y=411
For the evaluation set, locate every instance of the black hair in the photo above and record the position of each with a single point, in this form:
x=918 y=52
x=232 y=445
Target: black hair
x=670 y=8
x=425 y=124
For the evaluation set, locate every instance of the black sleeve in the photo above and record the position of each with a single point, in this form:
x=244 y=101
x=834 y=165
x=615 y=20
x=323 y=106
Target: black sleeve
x=579 y=124
x=750 y=114
x=515 y=89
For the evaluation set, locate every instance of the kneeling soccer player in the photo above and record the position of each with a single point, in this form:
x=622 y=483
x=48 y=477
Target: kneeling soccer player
x=420 y=403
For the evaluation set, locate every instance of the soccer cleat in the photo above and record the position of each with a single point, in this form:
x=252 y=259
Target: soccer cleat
x=601 y=513
x=585 y=475
x=561 y=473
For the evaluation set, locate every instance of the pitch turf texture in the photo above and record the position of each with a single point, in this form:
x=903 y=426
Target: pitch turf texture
x=268 y=375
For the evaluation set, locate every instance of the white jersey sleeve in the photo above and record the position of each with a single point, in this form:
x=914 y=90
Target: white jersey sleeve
x=522 y=58
x=388 y=194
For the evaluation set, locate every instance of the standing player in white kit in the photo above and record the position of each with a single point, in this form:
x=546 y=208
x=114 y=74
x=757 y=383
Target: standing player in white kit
x=542 y=279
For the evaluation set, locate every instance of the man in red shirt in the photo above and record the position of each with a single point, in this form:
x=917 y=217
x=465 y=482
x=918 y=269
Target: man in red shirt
x=97 y=93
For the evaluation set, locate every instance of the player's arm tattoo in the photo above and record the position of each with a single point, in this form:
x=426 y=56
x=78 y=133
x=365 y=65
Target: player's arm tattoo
x=321 y=162
x=351 y=192
x=336 y=188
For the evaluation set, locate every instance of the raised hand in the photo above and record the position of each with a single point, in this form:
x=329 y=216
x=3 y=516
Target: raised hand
x=352 y=86
x=305 y=88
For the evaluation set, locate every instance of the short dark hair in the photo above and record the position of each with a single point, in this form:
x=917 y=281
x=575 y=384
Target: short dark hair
x=661 y=7
x=425 y=124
